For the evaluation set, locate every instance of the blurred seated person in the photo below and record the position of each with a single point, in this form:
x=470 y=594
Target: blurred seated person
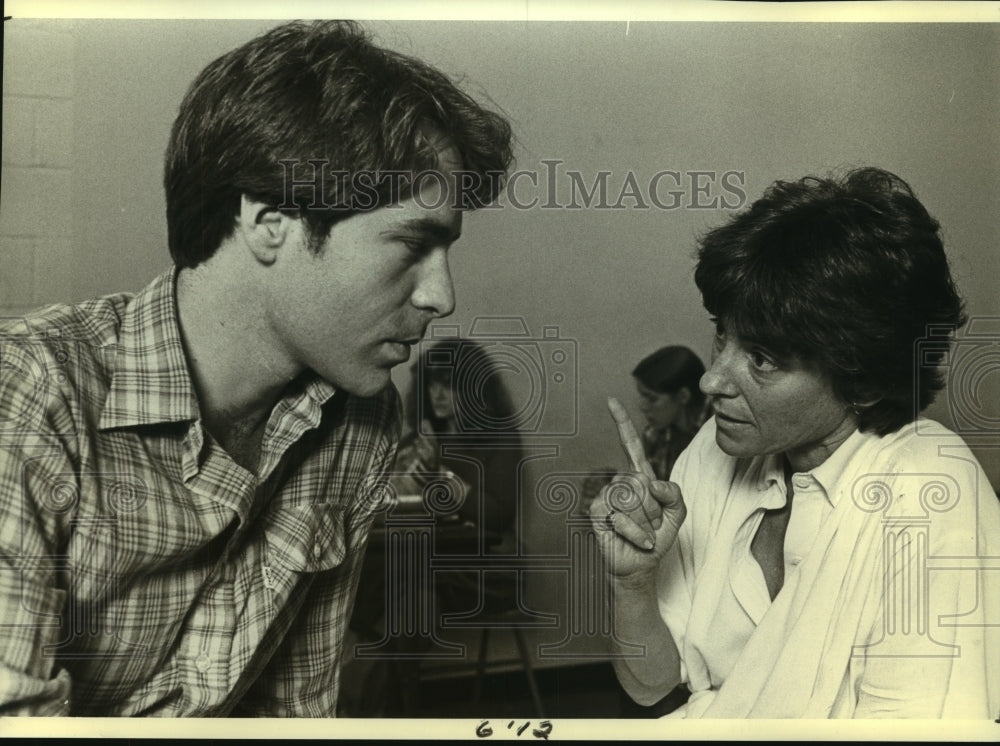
x=673 y=405
x=671 y=402
x=467 y=441
x=464 y=450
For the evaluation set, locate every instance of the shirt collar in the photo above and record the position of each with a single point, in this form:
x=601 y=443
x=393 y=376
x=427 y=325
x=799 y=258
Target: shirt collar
x=829 y=473
x=772 y=467
x=771 y=470
x=151 y=382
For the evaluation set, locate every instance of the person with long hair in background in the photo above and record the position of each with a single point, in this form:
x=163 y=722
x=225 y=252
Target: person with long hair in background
x=666 y=382
x=463 y=445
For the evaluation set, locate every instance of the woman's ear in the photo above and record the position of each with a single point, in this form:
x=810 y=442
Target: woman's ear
x=862 y=401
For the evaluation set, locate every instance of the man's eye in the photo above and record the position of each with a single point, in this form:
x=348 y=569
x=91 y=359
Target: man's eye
x=416 y=245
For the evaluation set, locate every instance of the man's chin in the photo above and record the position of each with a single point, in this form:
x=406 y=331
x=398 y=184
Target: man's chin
x=368 y=384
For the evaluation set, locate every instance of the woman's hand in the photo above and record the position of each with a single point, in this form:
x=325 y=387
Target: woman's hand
x=594 y=482
x=636 y=517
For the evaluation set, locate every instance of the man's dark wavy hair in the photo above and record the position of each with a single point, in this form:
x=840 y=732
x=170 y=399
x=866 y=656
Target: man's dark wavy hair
x=315 y=91
x=847 y=273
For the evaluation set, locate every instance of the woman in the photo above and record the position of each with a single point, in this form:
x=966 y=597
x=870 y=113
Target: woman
x=670 y=400
x=466 y=440
x=462 y=457
x=798 y=564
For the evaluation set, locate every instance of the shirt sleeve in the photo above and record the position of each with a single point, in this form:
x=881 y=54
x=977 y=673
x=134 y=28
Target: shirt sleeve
x=37 y=496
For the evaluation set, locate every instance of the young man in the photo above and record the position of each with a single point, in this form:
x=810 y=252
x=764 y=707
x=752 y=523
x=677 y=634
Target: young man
x=188 y=476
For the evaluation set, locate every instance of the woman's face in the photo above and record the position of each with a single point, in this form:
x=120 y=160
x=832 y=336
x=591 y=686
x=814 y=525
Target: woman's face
x=442 y=401
x=763 y=406
x=660 y=410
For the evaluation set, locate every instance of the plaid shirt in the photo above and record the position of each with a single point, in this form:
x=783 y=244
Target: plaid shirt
x=142 y=571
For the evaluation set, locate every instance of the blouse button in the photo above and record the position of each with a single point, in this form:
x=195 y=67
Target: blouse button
x=203 y=663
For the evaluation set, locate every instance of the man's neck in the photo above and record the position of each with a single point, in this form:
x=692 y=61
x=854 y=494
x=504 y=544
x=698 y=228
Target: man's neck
x=234 y=370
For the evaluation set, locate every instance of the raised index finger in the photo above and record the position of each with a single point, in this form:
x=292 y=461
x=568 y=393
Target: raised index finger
x=630 y=439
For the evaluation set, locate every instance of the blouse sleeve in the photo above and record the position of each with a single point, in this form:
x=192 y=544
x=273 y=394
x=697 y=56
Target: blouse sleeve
x=934 y=648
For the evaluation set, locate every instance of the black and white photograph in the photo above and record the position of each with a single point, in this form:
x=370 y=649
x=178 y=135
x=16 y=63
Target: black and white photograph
x=501 y=372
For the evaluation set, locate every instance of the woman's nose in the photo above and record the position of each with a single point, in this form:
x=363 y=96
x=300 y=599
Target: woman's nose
x=717 y=380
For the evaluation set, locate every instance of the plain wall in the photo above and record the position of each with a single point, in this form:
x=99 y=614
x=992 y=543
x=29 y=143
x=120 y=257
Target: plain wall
x=764 y=100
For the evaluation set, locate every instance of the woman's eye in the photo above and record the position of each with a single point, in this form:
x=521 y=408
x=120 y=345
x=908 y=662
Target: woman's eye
x=762 y=361
x=720 y=335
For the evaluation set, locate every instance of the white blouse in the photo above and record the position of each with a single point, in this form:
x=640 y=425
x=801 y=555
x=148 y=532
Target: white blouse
x=888 y=607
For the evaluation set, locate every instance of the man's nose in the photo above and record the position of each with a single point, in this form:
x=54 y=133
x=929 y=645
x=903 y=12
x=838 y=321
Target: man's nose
x=435 y=291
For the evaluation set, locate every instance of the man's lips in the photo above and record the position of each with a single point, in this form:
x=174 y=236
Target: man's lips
x=402 y=347
x=408 y=341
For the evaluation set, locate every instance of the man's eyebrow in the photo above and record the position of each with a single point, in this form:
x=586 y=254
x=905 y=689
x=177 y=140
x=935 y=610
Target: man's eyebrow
x=438 y=231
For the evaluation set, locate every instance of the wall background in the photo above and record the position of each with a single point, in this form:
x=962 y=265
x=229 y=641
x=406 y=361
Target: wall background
x=88 y=107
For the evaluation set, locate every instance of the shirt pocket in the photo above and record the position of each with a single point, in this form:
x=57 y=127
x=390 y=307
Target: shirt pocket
x=308 y=538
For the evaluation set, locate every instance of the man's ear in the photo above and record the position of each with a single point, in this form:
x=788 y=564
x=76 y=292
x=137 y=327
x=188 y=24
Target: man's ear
x=265 y=229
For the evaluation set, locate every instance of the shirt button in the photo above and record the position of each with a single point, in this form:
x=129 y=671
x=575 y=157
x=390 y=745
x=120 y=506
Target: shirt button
x=802 y=481
x=269 y=581
x=203 y=663
x=317 y=550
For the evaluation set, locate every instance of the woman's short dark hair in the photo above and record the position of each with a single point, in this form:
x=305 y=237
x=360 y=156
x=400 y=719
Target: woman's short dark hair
x=670 y=369
x=482 y=402
x=320 y=109
x=846 y=273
